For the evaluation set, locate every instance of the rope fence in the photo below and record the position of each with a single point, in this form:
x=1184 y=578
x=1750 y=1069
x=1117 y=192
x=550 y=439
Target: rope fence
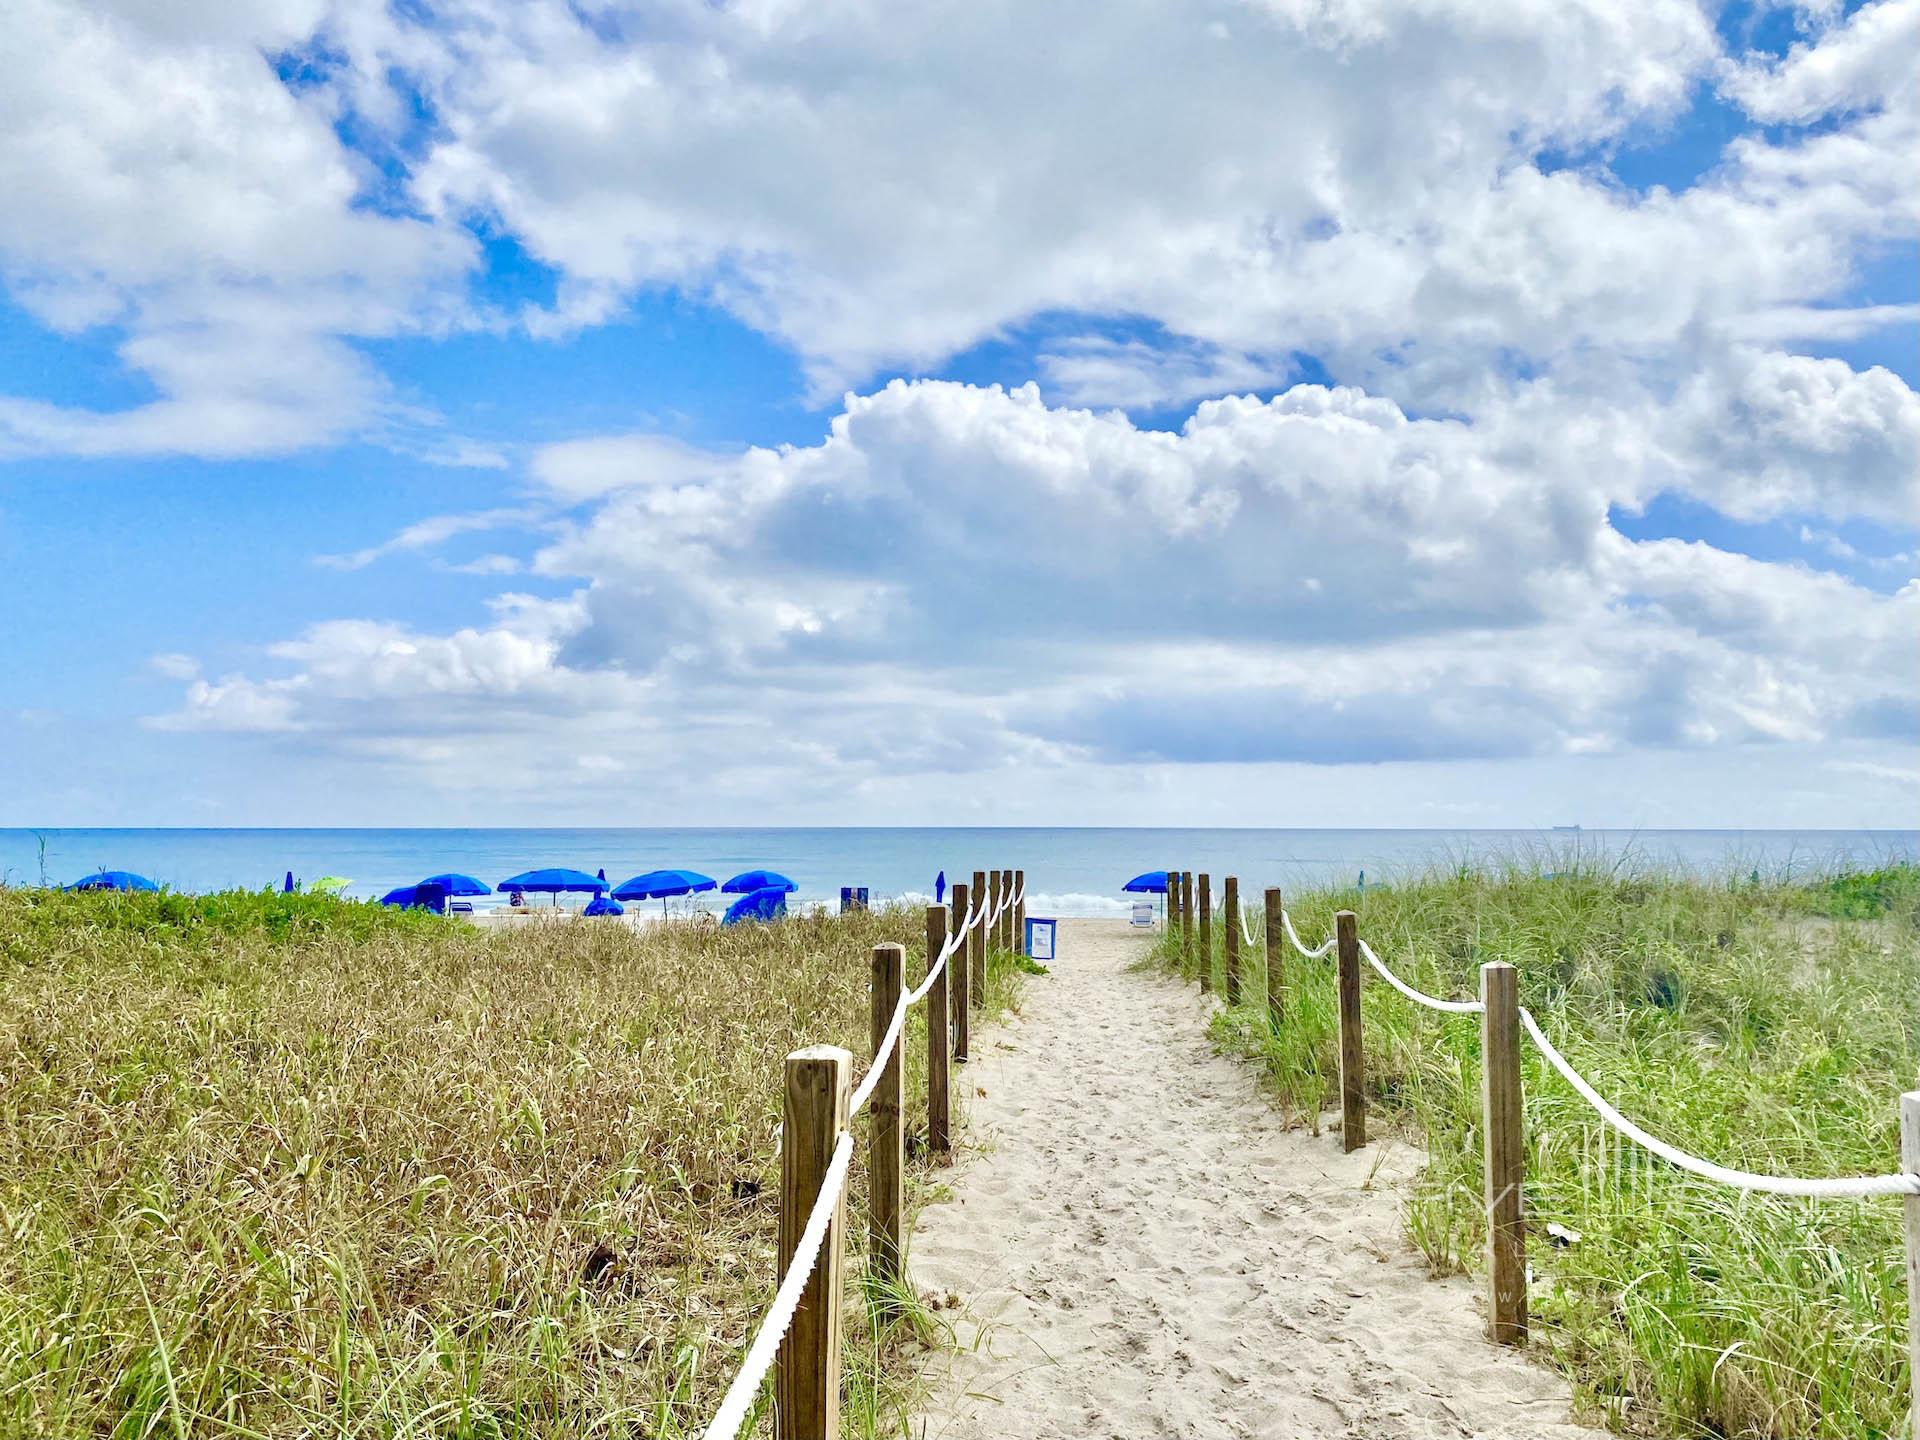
x=1503 y=1020
x=800 y=1329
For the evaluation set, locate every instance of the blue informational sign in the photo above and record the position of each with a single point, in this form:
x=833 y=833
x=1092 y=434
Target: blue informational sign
x=1040 y=936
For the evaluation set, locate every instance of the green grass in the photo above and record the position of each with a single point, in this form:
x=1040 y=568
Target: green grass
x=1767 y=1024
x=284 y=1165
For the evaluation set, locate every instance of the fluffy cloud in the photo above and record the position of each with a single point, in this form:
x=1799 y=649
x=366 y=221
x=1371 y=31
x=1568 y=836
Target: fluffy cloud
x=961 y=578
x=162 y=180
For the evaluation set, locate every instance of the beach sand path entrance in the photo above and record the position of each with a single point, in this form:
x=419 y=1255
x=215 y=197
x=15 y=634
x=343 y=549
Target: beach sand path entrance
x=1138 y=1247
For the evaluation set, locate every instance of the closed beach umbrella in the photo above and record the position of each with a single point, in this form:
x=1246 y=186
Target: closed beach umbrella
x=748 y=881
x=113 y=880
x=1154 y=882
x=767 y=904
x=555 y=881
x=662 y=883
x=940 y=888
x=287 y=888
x=455 y=883
x=602 y=905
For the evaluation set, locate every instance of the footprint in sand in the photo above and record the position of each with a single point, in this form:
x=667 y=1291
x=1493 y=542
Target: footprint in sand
x=1185 y=1266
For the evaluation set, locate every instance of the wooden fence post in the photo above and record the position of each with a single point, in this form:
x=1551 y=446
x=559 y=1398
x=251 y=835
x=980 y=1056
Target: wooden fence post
x=1186 y=919
x=962 y=974
x=1910 y=1163
x=996 y=932
x=1353 y=1060
x=1008 y=939
x=1276 y=942
x=1506 y=1156
x=1020 y=912
x=1205 y=916
x=806 y=1391
x=1230 y=935
x=977 y=942
x=886 y=1147
x=939 y=1096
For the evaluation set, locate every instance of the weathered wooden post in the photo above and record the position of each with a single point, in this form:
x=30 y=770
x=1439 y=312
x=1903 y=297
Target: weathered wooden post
x=1276 y=941
x=1020 y=911
x=977 y=941
x=1353 y=1063
x=1230 y=935
x=996 y=893
x=886 y=1147
x=806 y=1391
x=939 y=1097
x=1186 y=919
x=1173 y=901
x=962 y=974
x=1205 y=916
x=1506 y=1155
x=1010 y=941
x=1910 y=1163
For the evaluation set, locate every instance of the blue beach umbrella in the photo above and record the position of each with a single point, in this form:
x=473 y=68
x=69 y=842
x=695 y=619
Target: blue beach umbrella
x=287 y=888
x=767 y=904
x=554 y=881
x=113 y=880
x=455 y=883
x=748 y=881
x=602 y=905
x=662 y=883
x=424 y=896
x=1154 y=882
x=940 y=888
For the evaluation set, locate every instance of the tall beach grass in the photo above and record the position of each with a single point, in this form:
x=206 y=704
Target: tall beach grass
x=283 y=1165
x=1770 y=1024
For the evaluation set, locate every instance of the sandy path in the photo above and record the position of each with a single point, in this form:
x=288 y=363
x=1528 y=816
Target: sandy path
x=1143 y=1250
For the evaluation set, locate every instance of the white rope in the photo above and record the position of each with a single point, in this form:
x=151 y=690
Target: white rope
x=1739 y=1179
x=766 y=1345
x=1286 y=922
x=1454 y=1007
x=1246 y=931
x=899 y=1022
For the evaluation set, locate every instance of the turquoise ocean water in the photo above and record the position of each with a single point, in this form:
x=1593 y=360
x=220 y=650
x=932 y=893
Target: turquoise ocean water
x=1069 y=871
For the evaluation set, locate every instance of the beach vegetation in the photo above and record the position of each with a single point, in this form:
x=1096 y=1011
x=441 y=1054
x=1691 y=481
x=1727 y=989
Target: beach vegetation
x=277 y=1165
x=1767 y=1024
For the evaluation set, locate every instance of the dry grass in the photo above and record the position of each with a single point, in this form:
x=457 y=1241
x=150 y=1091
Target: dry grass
x=283 y=1166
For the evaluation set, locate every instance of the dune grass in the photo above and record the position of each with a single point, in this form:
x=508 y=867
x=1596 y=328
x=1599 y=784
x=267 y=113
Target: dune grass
x=283 y=1165
x=1767 y=1024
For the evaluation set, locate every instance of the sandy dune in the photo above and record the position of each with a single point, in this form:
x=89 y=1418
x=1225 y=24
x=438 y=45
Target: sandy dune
x=1139 y=1249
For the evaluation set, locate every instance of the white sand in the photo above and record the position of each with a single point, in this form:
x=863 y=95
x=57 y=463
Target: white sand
x=1139 y=1248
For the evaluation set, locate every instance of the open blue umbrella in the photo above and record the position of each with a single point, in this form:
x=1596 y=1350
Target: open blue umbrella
x=748 y=881
x=659 y=884
x=602 y=905
x=454 y=883
x=113 y=880
x=767 y=904
x=554 y=881
x=1154 y=882
x=424 y=896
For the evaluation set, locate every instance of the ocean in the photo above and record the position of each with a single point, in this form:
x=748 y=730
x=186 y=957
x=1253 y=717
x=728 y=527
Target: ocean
x=1069 y=871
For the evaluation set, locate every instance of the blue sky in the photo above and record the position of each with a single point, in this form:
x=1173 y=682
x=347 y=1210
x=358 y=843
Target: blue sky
x=695 y=416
